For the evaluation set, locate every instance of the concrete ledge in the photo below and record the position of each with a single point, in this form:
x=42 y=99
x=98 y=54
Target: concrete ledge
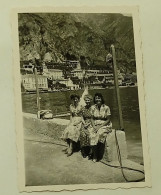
x=111 y=153
x=51 y=130
x=51 y=127
x=55 y=127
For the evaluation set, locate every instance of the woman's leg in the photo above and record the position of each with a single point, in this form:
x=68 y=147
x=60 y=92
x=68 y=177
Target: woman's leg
x=83 y=151
x=90 y=156
x=67 y=148
x=93 y=153
x=70 y=149
x=94 y=148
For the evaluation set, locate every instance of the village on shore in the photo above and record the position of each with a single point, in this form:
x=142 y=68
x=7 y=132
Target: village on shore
x=70 y=75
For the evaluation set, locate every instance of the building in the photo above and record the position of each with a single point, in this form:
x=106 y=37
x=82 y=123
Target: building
x=95 y=72
x=109 y=78
x=54 y=73
x=69 y=83
x=28 y=68
x=29 y=84
x=105 y=75
x=106 y=79
x=72 y=63
x=78 y=73
x=47 y=57
x=45 y=70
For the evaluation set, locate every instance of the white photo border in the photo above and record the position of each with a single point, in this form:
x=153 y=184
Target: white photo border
x=134 y=11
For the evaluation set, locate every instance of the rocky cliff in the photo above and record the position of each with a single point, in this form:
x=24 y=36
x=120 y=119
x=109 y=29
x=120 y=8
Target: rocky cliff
x=76 y=36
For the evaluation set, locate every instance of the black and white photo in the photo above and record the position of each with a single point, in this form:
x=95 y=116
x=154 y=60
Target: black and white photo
x=79 y=99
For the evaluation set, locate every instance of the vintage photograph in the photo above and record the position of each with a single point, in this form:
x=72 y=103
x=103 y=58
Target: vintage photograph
x=79 y=100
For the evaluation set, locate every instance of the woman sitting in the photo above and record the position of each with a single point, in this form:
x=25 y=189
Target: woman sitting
x=72 y=132
x=86 y=128
x=100 y=122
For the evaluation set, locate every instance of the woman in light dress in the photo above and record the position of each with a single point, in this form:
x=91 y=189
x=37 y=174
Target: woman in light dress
x=100 y=122
x=72 y=132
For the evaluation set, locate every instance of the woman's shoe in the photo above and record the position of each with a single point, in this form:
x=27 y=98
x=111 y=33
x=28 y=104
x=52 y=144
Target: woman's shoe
x=90 y=157
x=65 y=149
x=69 y=154
x=94 y=160
x=66 y=152
x=84 y=156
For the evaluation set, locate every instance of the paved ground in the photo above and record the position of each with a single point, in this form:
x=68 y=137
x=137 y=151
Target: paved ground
x=46 y=164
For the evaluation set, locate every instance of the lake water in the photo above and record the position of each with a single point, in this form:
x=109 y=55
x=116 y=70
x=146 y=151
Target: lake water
x=59 y=102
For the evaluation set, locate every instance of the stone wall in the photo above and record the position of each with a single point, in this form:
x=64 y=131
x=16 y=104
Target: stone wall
x=54 y=128
x=51 y=127
x=111 y=152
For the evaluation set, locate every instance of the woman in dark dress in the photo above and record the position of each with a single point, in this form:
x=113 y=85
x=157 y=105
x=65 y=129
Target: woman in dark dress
x=86 y=127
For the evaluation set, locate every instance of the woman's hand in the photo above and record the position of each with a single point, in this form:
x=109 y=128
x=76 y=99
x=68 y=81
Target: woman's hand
x=109 y=130
x=95 y=129
x=86 y=125
x=77 y=123
x=98 y=127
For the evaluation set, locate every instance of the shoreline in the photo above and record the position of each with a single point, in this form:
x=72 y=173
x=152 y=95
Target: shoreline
x=34 y=92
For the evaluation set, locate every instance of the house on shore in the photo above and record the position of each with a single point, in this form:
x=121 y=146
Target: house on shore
x=78 y=73
x=53 y=73
x=29 y=84
x=69 y=83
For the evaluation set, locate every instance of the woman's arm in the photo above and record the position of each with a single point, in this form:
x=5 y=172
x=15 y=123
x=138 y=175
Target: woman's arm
x=85 y=124
x=107 y=114
x=83 y=121
x=107 y=122
x=71 y=113
x=93 y=125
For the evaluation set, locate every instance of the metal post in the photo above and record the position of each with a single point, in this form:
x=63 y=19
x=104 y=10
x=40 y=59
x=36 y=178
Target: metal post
x=117 y=87
x=37 y=89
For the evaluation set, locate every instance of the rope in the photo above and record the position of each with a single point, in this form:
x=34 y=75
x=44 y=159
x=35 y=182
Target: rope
x=121 y=166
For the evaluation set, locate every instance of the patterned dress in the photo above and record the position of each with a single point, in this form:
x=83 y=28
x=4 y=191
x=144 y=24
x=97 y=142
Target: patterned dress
x=72 y=131
x=99 y=117
x=86 y=128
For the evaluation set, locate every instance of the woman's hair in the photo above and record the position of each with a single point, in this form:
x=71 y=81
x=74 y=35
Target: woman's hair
x=73 y=96
x=88 y=96
x=100 y=96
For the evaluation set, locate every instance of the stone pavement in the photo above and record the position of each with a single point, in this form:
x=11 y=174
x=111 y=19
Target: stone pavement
x=46 y=164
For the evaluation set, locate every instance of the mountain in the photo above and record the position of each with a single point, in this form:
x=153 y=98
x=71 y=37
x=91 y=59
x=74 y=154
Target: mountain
x=77 y=36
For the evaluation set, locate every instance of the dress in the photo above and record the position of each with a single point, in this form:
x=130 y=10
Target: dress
x=72 y=131
x=99 y=117
x=86 y=128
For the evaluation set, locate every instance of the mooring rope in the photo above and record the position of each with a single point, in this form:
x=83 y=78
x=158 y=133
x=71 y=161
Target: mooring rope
x=124 y=167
